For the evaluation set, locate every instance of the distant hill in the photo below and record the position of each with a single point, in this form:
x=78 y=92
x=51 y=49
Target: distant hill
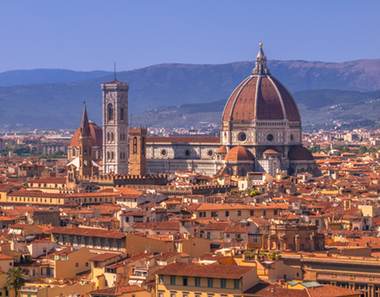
x=53 y=98
x=319 y=109
x=46 y=76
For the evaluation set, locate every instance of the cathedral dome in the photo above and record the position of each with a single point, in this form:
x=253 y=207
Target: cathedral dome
x=238 y=154
x=260 y=97
x=95 y=133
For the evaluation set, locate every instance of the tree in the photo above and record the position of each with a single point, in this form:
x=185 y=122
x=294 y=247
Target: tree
x=15 y=279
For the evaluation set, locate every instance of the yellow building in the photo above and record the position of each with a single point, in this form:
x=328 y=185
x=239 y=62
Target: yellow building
x=33 y=197
x=43 y=289
x=196 y=280
x=48 y=184
x=122 y=291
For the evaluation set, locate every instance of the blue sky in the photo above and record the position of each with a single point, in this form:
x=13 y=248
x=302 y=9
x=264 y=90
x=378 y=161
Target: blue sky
x=91 y=34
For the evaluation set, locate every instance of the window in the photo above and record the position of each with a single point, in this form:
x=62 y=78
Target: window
x=242 y=136
x=270 y=137
x=236 y=283
x=161 y=279
x=160 y=294
x=239 y=213
x=172 y=280
x=187 y=153
x=185 y=281
x=197 y=281
x=210 y=153
x=227 y=213
x=291 y=137
x=109 y=112
x=223 y=283
x=76 y=264
x=210 y=282
x=214 y=214
x=134 y=149
x=173 y=294
x=122 y=114
x=163 y=152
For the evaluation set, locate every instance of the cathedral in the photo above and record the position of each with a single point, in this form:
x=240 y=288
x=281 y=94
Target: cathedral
x=260 y=131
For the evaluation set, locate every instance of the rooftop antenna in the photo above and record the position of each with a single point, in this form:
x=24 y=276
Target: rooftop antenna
x=114 y=71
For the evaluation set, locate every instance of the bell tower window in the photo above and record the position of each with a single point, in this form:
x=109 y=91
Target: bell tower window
x=109 y=112
x=134 y=149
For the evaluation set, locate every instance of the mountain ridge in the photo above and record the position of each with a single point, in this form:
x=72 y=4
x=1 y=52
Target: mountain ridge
x=53 y=98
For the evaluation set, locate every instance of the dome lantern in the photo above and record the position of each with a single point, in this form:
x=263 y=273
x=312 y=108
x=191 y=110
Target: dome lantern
x=261 y=62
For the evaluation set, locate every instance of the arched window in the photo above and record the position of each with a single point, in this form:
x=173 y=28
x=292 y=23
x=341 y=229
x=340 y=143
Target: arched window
x=109 y=112
x=112 y=137
x=121 y=114
x=108 y=137
x=134 y=149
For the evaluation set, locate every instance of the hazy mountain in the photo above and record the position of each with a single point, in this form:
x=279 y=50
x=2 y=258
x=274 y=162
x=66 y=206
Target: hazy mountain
x=46 y=76
x=319 y=108
x=53 y=98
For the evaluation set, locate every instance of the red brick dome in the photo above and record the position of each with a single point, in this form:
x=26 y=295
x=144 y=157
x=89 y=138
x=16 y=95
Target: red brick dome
x=95 y=132
x=239 y=153
x=260 y=97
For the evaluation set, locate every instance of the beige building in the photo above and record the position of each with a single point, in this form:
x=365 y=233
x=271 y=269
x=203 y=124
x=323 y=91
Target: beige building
x=199 y=280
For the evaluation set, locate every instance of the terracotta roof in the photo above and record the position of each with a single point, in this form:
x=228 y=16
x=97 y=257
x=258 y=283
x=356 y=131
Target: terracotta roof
x=36 y=193
x=213 y=270
x=168 y=225
x=5 y=257
x=331 y=291
x=239 y=153
x=88 y=232
x=270 y=152
x=49 y=180
x=104 y=257
x=237 y=206
x=267 y=290
x=95 y=133
x=117 y=291
x=183 y=139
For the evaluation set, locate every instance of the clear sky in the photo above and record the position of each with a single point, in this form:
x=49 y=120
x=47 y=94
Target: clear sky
x=91 y=34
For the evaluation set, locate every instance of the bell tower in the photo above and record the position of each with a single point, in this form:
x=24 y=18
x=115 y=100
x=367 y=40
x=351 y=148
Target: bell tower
x=137 y=157
x=115 y=127
x=85 y=153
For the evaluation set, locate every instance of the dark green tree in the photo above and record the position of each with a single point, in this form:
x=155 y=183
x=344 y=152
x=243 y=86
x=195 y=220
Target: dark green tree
x=15 y=279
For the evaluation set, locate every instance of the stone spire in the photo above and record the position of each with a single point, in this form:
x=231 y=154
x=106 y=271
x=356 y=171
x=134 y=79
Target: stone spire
x=261 y=62
x=84 y=124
